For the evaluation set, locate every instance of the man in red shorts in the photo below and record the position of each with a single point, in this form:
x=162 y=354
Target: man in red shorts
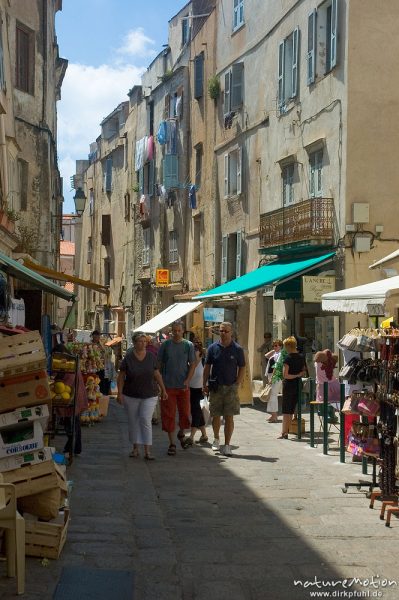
x=176 y=358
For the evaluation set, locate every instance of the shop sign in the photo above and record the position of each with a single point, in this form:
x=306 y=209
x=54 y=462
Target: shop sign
x=214 y=315
x=375 y=310
x=314 y=287
x=151 y=311
x=162 y=277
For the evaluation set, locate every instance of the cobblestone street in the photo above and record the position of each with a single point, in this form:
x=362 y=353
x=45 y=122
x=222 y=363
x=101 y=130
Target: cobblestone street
x=202 y=526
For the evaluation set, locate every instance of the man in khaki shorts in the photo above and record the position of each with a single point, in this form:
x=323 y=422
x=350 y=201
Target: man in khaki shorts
x=223 y=373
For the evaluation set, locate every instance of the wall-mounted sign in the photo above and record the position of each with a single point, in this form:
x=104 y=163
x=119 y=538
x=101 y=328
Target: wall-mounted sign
x=162 y=277
x=214 y=315
x=375 y=310
x=151 y=311
x=313 y=287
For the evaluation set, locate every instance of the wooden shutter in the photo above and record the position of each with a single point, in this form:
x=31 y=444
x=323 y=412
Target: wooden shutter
x=225 y=240
x=239 y=254
x=311 y=56
x=237 y=85
x=226 y=175
x=281 y=59
x=199 y=76
x=295 y=64
x=333 y=37
x=239 y=170
x=226 y=96
x=106 y=230
x=170 y=171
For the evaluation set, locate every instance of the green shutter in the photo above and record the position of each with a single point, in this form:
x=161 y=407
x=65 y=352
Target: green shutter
x=170 y=171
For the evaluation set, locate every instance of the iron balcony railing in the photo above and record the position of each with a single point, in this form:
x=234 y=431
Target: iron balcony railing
x=311 y=220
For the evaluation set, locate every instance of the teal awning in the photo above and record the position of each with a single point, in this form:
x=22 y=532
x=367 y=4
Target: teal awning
x=17 y=270
x=267 y=275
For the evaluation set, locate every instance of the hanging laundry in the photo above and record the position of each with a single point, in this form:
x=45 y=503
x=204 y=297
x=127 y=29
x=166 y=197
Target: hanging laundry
x=139 y=157
x=192 y=197
x=162 y=136
x=150 y=148
x=178 y=107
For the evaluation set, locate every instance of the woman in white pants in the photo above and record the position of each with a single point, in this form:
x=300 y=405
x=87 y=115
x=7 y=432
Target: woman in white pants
x=273 y=356
x=139 y=381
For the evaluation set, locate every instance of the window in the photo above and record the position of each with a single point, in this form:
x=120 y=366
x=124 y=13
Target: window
x=322 y=40
x=287 y=175
x=173 y=249
x=232 y=245
x=199 y=76
x=2 y=74
x=127 y=206
x=107 y=271
x=108 y=175
x=315 y=174
x=288 y=69
x=106 y=230
x=185 y=30
x=146 y=246
x=232 y=173
x=197 y=239
x=25 y=62
x=198 y=165
x=151 y=117
x=23 y=170
x=238 y=14
x=233 y=88
x=91 y=201
x=89 y=250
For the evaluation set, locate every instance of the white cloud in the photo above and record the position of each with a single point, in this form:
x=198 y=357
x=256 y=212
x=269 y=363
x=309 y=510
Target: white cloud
x=88 y=95
x=136 y=43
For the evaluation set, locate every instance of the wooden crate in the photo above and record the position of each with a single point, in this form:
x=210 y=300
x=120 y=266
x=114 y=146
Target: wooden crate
x=21 y=353
x=46 y=539
x=34 y=479
x=24 y=390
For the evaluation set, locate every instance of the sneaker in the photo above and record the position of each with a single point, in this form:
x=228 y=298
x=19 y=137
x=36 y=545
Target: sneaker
x=227 y=450
x=215 y=444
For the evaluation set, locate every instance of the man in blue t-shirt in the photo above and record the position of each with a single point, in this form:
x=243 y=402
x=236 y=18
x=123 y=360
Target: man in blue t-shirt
x=223 y=373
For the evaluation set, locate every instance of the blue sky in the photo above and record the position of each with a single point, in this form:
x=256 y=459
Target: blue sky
x=108 y=44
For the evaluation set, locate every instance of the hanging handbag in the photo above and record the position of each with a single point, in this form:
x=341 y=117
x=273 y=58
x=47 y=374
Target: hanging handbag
x=347 y=370
x=350 y=405
x=265 y=394
x=368 y=405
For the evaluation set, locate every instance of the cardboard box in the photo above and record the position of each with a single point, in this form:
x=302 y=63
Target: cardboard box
x=44 y=505
x=24 y=390
x=31 y=433
x=46 y=539
x=22 y=460
x=34 y=479
x=22 y=353
x=33 y=413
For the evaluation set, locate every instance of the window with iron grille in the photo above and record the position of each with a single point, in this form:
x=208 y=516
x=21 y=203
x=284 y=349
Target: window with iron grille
x=173 y=248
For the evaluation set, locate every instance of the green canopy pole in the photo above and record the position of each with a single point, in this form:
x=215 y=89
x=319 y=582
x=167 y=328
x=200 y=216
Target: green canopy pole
x=311 y=399
x=341 y=424
x=325 y=418
x=299 y=430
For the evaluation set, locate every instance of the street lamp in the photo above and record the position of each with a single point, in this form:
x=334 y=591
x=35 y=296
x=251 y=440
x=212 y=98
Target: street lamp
x=80 y=201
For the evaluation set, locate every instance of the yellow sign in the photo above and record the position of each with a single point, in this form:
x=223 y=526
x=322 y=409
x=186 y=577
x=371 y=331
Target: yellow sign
x=162 y=277
x=314 y=287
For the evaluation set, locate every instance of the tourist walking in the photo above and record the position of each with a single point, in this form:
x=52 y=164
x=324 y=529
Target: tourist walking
x=196 y=395
x=223 y=373
x=139 y=381
x=273 y=358
x=176 y=359
x=294 y=369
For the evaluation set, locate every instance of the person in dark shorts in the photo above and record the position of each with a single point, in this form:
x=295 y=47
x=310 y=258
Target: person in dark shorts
x=223 y=373
x=294 y=369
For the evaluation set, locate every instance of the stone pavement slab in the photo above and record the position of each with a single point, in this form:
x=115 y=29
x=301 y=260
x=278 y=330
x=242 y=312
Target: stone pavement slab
x=263 y=524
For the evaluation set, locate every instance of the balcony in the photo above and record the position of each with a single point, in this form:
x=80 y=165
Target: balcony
x=307 y=223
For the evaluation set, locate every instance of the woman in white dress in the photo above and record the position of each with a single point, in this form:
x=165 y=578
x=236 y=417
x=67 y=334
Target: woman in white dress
x=272 y=358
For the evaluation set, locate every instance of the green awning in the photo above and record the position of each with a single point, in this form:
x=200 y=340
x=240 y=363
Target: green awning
x=267 y=275
x=17 y=270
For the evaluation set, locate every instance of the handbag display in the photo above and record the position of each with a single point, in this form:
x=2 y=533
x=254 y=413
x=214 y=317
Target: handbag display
x=265 y=394
x=350 y=405
x=368 y=405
